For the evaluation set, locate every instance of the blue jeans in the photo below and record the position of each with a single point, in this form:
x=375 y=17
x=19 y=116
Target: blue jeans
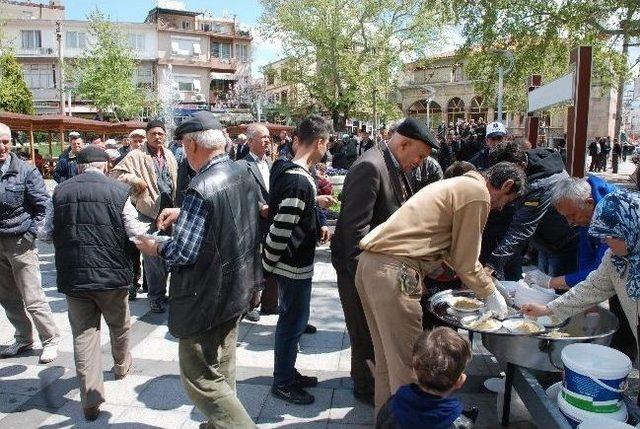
x=294 y=297
x=557 y=264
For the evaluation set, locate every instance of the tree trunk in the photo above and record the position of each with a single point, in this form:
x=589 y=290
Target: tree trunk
x=335 y=117
x=621 y=83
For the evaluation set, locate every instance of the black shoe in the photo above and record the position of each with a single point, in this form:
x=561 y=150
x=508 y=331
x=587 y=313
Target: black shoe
x=305 y=381
x=133 y=292
x=156 y=306
x=310 y=329
x=268 y=311
x=253 y=315
x=164 y=299
x=293 y=394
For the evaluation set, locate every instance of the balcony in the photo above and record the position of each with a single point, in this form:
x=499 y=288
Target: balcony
x=36 y=52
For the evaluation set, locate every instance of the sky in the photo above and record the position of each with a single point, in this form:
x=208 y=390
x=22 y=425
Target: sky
x=247 y=11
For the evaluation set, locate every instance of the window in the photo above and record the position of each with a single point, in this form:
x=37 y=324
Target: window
x=185 y=47
x=186 y=25
x=31 y=39
x=186 y=83
x=144 y=74
x=457 y=74
x=220 y=50
x=39 y=76
x=76 y=40
x=242 y=52
x=196 y=85
x=136 y=41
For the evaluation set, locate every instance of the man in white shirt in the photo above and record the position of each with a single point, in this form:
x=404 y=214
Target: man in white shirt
x=258 y=164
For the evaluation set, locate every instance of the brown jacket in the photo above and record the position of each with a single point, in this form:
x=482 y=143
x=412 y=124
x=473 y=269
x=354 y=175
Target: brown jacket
x=442 y=222
x=138 y=164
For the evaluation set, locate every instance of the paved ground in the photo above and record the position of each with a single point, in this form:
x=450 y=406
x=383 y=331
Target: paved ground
x=46 y=396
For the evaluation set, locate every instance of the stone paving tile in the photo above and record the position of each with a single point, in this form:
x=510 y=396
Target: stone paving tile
x=275 y=408
x=10 y=402
x=347 y=410
x=27 y=379
x=157 y=349
x=133 y=417
x=70 y=416
x=292 y=424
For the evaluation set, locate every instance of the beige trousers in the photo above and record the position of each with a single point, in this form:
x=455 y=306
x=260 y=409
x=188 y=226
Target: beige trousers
x=85 y=310
x=21 y=291
x=394 y=317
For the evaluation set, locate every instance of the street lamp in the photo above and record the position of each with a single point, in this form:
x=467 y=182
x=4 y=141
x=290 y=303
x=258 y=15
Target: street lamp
x=60 y=61
x=430 y=91
x=502 y=72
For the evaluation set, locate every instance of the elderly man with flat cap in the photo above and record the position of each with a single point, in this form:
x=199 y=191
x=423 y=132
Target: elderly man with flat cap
x=213 y=257
x=152 y=173
x=375 y=187
x=91 y=223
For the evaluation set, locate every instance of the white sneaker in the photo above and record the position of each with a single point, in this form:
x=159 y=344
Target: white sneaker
x=49 y=353
x=11 y=350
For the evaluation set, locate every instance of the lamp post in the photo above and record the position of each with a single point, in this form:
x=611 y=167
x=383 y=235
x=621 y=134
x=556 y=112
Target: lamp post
x=430 y=91
x=60 y=62
x=502 y=72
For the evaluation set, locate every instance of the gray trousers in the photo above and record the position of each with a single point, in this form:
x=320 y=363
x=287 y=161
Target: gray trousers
x=21 y=291
x=85 y=311
x=208 y=372
x=155 y=272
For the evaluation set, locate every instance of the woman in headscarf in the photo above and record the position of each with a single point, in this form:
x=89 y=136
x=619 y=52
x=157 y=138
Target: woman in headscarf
x=616 y=222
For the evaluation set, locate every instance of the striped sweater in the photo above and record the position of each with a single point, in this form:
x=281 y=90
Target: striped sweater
x=293 y=227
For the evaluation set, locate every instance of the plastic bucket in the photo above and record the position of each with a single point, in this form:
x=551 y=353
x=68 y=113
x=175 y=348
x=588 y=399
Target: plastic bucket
x=575 y=415
x=602 y=422
x=553 y=391
x=594 y=377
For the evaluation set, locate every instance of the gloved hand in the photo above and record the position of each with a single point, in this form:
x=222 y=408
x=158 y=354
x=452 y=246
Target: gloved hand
x=495 y=302
x=537 y=277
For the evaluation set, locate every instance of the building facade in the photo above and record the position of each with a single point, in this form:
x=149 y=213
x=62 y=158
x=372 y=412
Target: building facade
x=200 y=57
x=441 y=91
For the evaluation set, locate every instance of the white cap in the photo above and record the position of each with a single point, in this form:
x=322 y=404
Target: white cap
x=138 y=132
x=496 y=129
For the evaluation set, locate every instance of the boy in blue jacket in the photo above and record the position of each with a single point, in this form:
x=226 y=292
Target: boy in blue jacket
x=439 y=359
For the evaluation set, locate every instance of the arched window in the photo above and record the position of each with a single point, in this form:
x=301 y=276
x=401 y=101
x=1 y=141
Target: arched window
x=478 y=109
x=455 y=110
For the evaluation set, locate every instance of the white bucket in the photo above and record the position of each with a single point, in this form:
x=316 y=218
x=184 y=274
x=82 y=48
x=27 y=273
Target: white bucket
x=553 y=391
x=576 y=416
x=601 y=422
x=595 y=376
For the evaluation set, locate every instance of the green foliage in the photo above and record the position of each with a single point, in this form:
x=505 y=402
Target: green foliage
x=14 y=95
x=104 y=73
x=541 y=34
x=343 y=50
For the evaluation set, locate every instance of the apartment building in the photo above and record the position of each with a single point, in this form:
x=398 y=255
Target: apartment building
x=207 y=55
x=31 y=31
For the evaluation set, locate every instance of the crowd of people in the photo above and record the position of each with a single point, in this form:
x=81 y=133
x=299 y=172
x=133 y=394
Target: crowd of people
x=230 y=230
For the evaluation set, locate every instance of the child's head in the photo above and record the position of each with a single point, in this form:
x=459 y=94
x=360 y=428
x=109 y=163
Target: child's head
x=439 y=359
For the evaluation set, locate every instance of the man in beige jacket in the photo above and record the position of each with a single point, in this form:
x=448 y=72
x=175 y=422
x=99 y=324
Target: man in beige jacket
x=441 y=223
x=151 y=171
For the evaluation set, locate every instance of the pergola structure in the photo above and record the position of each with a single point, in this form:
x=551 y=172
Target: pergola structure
x=273 y=129
x=60 y=124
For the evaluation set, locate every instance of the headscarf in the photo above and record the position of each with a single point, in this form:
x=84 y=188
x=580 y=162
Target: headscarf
x=618 y=216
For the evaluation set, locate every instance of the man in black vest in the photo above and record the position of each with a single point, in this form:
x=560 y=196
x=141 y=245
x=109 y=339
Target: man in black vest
x=375 y=187
x=215 y=269
x=91 y=222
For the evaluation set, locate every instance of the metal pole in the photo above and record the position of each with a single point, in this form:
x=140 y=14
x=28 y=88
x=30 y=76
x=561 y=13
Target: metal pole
x=428 y=112
x=61 y=64
x=500 y=91
x=375 y=113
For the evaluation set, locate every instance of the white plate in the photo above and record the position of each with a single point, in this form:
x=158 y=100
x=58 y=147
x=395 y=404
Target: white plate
x=469 y=319
x=512 y=325
x=453 y=301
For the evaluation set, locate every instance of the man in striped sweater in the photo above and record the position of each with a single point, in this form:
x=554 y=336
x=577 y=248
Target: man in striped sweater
x=290 y=249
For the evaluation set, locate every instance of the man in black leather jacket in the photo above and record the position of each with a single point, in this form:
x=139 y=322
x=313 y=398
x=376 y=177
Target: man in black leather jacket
x=215 y=269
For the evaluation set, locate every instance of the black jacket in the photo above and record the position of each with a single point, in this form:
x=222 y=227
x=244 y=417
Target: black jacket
x=535 y=218
x=372 y=192
x=92 y=247
x=218 y=286
x=23 y=199
x=251 y=166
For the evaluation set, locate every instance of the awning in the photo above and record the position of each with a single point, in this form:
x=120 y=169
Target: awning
x=221 y=76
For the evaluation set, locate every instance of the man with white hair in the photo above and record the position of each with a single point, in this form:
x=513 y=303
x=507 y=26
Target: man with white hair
x=258 y=164
x=67 y=166
x=214 y=258
x=136 y=138
x=90 y=224
x=23 y=203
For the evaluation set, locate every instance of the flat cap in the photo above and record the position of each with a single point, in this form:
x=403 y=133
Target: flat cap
x=138 y=132
x=92 y=153
x=153 y=123
x=200 y=121
x=414 y=129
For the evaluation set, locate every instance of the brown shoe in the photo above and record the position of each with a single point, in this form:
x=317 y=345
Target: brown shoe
x=91 y=413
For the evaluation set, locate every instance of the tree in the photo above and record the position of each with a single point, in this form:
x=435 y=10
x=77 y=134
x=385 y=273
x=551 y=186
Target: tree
x=347 y=52
x=540 y=34
x=14 y=94
x=104 y=73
